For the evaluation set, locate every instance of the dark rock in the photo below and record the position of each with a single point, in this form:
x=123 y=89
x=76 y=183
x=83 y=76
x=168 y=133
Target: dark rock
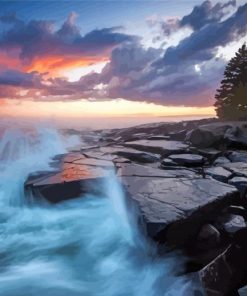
x=136 y=170
x=112 y=152
x=207 y=135
x=168 y=162
x=221 y=161
x=236 y=136
x=138 y=156
x=235 y=223
x=243 y=291
x=208 y=237
x=174 y=209
x=162 y=147
x=218 y=173
x=121 y=160
x=137 y=136
x=76 y=176
x=238 y=168
x=94 y=162
x=154 y=129
x=210 y=153
x=235 y=156
x=159 y=137
x=178 y=136
x=187 y=159
x=240 y=183
x=225 y=275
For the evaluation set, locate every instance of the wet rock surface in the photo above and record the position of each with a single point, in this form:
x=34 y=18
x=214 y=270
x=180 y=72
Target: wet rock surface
x=187 y=180
x=163 y=147
x=218 y=173
x=187 y=159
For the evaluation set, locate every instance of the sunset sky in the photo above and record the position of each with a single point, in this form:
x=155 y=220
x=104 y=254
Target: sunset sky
x=69 y=59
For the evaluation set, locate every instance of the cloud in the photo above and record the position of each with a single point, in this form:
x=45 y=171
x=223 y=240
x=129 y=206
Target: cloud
x=132 y=75
x=202 y=45
x=20 y=79
x=39 y=38
x=141 y=74
x=206 y=13
x=186 y=74
x=201 y=15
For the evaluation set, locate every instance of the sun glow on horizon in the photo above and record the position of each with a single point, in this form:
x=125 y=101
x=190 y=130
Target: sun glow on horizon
x=89 y=109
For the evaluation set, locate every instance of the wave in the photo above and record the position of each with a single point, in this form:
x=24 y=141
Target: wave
x=90 y=246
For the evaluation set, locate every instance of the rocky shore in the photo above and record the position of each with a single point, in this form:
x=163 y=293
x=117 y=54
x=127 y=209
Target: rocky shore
x=188 y=181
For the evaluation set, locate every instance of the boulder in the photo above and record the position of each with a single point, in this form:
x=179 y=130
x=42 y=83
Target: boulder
x=207 y=135
x=218 y=173
x=235 y=223
x=178 y=136
x=236 y=136
x=227 y=272
x=208 y=237
x=219 y=134
x=187 y=159
x=163 y=147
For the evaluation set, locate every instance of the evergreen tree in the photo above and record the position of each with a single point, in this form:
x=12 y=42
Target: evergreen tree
x=231 y=97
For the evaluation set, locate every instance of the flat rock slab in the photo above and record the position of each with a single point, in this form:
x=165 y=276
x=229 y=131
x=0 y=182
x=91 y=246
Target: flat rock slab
x=218 y=173
x=113 y=152
x=219 y=161
x=187 y=159
x=238 y=168
x=129 y=169
x=163 y=147
x=237 y=156
x=210 y=153
x=240 y=183
x=77 y=175
x=174 y=209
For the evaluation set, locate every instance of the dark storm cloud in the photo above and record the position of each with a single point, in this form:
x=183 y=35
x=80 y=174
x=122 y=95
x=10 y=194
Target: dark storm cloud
x=201 y=15
x=39 y=38
x=206 y=13
x=202 y=45
x=18 y=78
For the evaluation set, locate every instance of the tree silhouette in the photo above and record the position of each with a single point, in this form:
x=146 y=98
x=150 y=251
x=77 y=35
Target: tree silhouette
x=231 y=97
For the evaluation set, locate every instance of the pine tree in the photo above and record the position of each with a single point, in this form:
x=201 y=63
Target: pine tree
x=231 y=97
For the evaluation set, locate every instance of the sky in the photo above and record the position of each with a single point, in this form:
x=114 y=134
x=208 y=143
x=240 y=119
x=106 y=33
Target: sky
x=74 y=59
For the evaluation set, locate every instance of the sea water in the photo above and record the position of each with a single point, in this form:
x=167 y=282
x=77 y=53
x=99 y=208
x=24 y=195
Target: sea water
x=90 y=246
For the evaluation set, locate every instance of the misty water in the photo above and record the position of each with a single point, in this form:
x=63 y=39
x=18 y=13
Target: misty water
x=89 y=246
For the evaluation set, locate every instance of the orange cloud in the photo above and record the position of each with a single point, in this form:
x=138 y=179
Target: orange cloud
x=56 y=65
